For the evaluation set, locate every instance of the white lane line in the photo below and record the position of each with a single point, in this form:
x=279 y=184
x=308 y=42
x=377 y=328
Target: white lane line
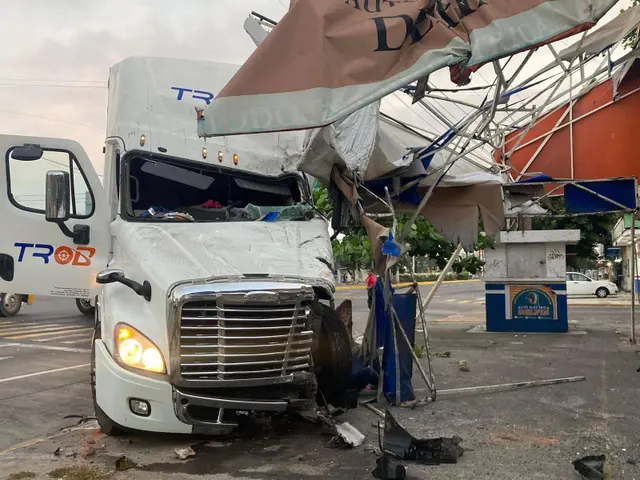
x=38 y=328
x=45 y=372
x=82 y=340
x=46 y=347
x=69 y=336
x=5 y=358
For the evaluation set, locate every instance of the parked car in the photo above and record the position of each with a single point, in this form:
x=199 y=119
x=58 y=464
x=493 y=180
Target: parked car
x=579 y=284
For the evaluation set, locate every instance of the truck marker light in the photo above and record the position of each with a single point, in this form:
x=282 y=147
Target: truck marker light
x=124 y=333
x=235 y=159
x=220 y=156
x=143 y=140
x=133 y=349
x=204 y=152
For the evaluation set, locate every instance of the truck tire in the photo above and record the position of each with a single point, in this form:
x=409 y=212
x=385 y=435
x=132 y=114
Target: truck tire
x=107 y=425
x=332 y=357
x=10 y=304
x=85 y=307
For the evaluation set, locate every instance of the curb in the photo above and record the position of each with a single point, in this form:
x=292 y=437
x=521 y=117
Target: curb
x=570 y=304
x=401 y=285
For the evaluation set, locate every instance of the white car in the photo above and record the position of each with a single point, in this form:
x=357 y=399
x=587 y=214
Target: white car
x=579 y=284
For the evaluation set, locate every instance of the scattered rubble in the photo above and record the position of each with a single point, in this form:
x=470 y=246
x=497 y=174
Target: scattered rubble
x=446 y=354
x=21 y=476
x=463 y=366
x=77 y=472
x=122 y=463
x=590 y=467
x=388 y=469
x=350 y=434
x=404 y=446
x=184 y=453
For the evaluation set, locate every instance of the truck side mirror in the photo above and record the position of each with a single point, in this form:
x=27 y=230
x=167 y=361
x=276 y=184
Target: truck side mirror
x=57 y=196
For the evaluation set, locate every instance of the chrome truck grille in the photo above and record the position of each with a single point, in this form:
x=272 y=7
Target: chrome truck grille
x=244 y=336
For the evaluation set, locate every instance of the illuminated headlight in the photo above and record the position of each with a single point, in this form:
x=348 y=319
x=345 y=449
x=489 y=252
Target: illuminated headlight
x=135 y=350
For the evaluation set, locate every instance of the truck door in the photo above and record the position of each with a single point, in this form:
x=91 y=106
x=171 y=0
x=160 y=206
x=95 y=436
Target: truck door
x=54 y=218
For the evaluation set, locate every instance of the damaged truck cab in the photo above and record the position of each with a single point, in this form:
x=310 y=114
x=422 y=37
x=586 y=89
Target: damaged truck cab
x=212 y=271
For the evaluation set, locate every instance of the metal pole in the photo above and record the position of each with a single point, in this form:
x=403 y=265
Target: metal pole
x=510 y=386
x=633 y=277
x=443 y=274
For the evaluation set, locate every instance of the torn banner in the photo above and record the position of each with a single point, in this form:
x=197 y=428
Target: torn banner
x=326 y=59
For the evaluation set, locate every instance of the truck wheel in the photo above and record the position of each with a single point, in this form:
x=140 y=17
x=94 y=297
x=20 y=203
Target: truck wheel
x=85 y=307
x=332 y=357
x=10 y=304
x=107 y=425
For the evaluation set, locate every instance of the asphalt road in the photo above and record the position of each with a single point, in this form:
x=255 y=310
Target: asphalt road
x=44 y=355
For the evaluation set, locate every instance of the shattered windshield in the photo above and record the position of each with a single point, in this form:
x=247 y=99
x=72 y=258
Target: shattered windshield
x=170 y=191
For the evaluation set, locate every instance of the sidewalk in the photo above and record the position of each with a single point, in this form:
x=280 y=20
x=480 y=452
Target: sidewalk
x=623 y=299
x=362 y=286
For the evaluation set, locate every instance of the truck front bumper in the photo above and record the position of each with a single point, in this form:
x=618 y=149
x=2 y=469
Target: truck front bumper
x=171 y=410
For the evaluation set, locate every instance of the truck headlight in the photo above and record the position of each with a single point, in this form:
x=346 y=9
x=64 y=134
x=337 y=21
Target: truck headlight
x=133 y=349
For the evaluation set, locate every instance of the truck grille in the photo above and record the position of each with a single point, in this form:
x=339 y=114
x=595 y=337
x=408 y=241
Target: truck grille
x=228 y=341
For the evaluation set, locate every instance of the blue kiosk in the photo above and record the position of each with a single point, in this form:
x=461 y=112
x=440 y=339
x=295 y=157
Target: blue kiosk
x=525 y=279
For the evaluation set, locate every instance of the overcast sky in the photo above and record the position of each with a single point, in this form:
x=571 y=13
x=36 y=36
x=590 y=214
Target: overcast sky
x=56 y=55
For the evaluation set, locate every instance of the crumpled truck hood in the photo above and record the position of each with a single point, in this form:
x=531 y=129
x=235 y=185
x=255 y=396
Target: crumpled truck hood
x=168 y=253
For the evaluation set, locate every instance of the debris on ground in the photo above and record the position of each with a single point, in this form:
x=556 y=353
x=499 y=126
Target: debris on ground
x=122 y=463
x=88 y=450
x=57 y=451
x=21 y=476
x=590 y=467
x=446 y=354
x=388 y=469
x=463 y=366
x=335 y=411
x=272 y=448
x=432 y=451
x=350 y=434
x=184 y=453
x=77 y=472
x=81 y=418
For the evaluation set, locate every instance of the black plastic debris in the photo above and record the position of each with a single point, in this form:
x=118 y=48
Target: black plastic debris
x=433 y=451
x=590 y=467
x=388 y=469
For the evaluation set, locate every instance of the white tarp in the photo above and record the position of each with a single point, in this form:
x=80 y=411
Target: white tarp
x=605 y=36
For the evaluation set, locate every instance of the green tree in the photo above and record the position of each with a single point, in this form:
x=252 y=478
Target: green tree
x=353 y=251
x=633 y=36
x=594 y=229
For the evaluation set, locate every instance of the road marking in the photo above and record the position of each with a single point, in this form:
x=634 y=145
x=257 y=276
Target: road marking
x=82 y=340
x=5 y=358
x=70 y=336
x=92 y=425
x=32 y=335
x=45 y=372
x=451 y=299
x=39 y=328
x=46 y=347
x=464 y=301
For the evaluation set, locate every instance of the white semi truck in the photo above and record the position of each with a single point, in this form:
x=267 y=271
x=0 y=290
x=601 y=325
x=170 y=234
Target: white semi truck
x=212 y=272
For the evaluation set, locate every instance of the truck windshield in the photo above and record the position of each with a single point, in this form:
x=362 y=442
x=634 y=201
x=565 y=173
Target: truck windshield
x=161 y=190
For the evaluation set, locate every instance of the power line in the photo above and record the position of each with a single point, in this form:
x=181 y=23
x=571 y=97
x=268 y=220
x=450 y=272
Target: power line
x=50 y=80
x=49 y=118
x=46 y=85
